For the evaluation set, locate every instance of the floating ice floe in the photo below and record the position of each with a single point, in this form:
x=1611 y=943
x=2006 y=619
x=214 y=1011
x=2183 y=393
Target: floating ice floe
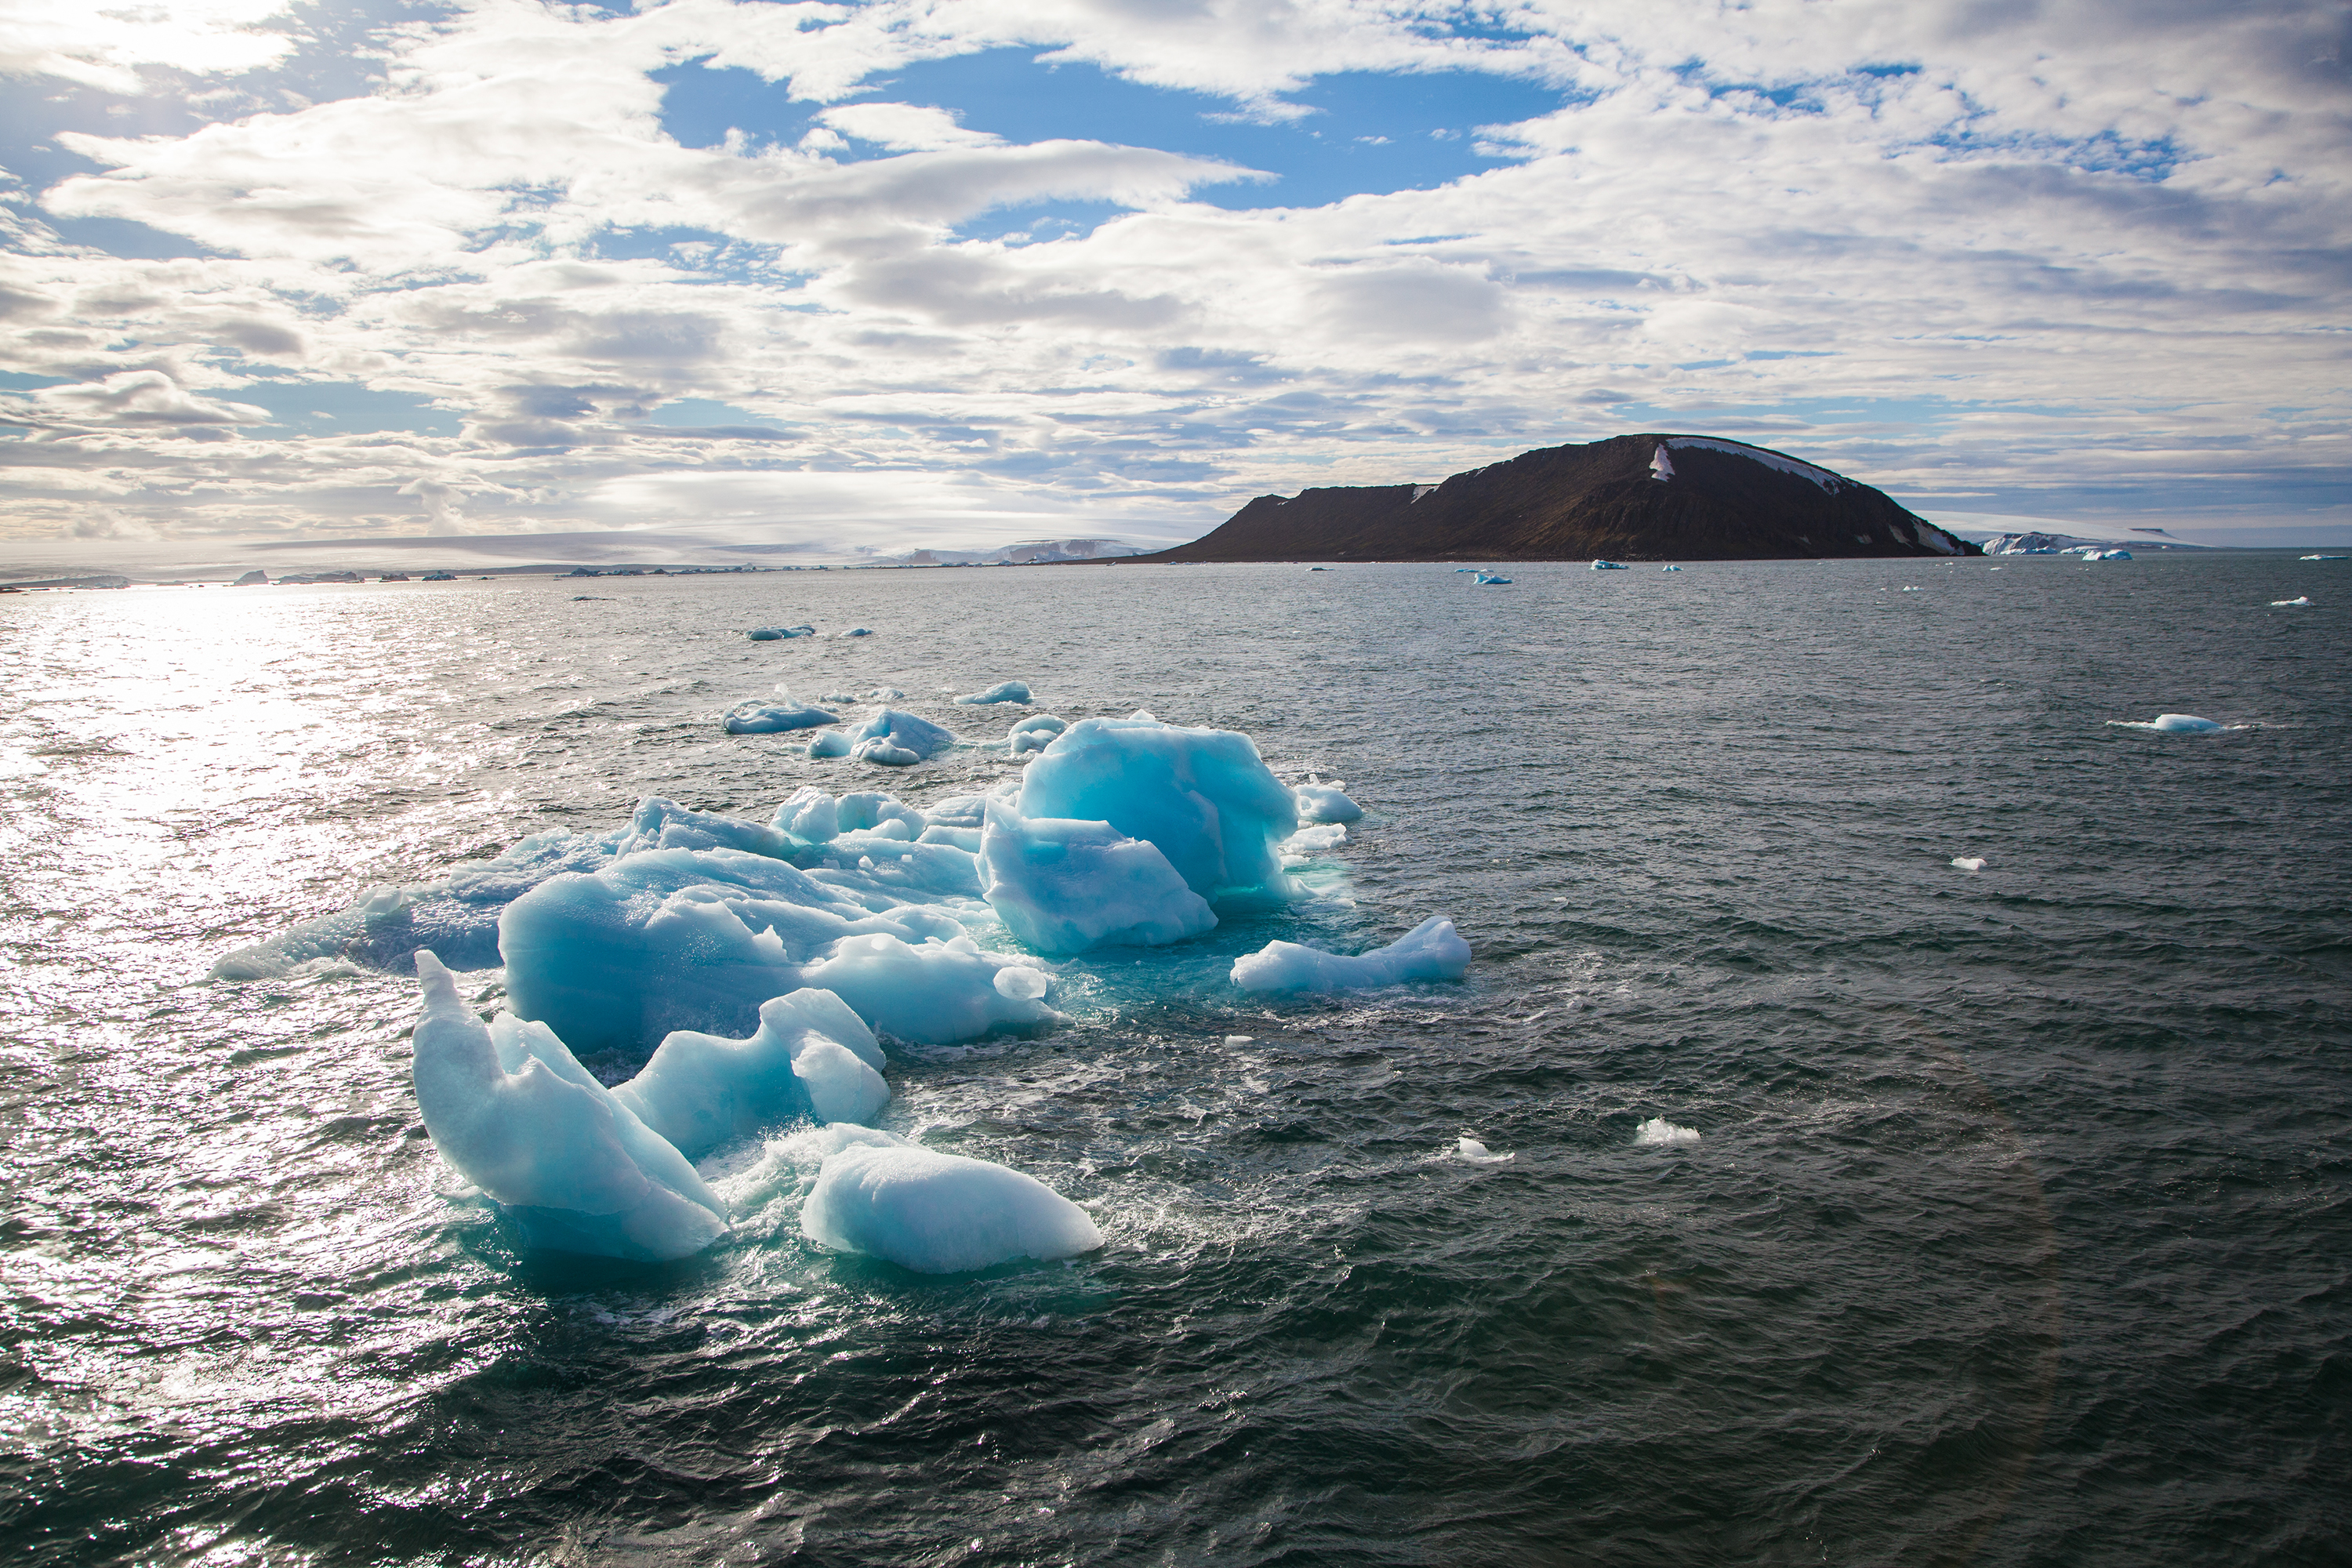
x=1657 y=1129
x=760 y=718
x=513 y=1112
x=810 y=1059
x=859 y=632
x=2299 y=603
x=1609 y=566
x=1969 y=862
x=896 y=740
x=2171 y=725
x=886 y=694
x=831 y=744
x=2299 y=558
x=1063 y=886
x=1488 y=580
x=1669 y=568
x=778 y=633
x=935 y=1213
x=1319 y=802
x=1471 y=1151
x=1003 y=692
x=1034 y=733
x=1431 y=950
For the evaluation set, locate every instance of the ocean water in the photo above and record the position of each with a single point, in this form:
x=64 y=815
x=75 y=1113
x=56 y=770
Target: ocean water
x=2015 y=1229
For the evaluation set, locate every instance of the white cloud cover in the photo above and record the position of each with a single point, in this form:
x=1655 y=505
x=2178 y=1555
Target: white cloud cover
x=2088 y=253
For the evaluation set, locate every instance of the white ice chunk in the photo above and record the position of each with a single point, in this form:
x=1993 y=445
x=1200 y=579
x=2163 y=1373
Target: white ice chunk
x=1609 y=566
x=1431 y=950
x=665 y=825
x=811 y=1056
x=1063 y=886
x=577 y=1170
x=1204 y=797
x=809 y=815
x=873 y=811
x=900 y=733
x=1034 y=733
x=1969 y=862
x=940 y=1214
x=2291 y=604
x=2171 y=725
x=777 y=634
x=1003 y=692
x=1489 y=580
x=883 y=752
x=832 y=743
x=1471 y=1151
x=759 y=718
x=1325 y=803
x=1658 y=1129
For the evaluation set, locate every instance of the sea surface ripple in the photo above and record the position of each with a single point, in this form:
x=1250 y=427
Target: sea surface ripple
x=2016 y=1230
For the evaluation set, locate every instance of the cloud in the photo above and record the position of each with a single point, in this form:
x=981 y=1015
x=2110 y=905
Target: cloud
x=2076 y=250
x=104 y=46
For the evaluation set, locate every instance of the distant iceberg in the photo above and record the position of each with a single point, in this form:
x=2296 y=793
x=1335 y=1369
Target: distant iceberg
x=1609 y=566
x=1658 y=1130
x=1004 y=692
x=1669 y=568
x=778 y=633
x=760 y=718
x=2301 y=602
x=1489 y=580
x=2171 y=725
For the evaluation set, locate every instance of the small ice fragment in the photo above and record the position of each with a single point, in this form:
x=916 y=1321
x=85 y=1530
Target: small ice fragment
x=758 y=717
x=777 y=634
x=1020 y=982
x=940 y=1214
x=1488 y=580
x=879 y=751
x=811 y=1056
x=859 y=632
x=897 y=740
x=884 y=694
x=1241 y=1039
x=2171 y=725
x=2290 y=603
x=1431 y=950
x=1034 y=733
x=1909 y=589
x=1969 y=862
x=1003 y=692
x=1658 y=1129
x=1325 y=803
x=1608 y=567
x=832 y=743
x=1669 y=568
x=1476 y=1153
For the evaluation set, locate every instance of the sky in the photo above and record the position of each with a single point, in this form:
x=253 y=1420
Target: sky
x=582 y=281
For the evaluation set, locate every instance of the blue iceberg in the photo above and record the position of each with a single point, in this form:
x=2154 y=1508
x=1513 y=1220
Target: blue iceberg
x=810 y=1059
x=935 y=1213
x=778 y=633
x=1064 y=886
x=1004 y=692
x=1431 y=950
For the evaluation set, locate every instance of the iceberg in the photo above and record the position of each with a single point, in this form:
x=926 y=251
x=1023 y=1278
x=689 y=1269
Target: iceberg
x=1969 y=862
x=2300 y=603
x=672 y=938
x=1063 y=886
x=1004 y=692
x=1431 y=950
x=777 y=634
x=1669 y=568
x=1608 y=567
x=758 y=717
x=1203 y=797
x=2171 y=725
x=833 y=743
x=1325 y=803
x=859 y=632
x=810 y=1057
x=512 y=1111
x=1657 y=1129
x=2299 y=558
x=887 y=734
x=1488 y=580
x=939 y=1214
x=1471 y=1151
x=1034 y=733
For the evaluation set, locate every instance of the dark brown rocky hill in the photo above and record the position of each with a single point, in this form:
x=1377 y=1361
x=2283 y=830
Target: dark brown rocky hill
x=1631 y=497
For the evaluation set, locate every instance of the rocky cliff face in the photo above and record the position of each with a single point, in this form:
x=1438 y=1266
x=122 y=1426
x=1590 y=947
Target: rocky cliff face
x=1631 y=497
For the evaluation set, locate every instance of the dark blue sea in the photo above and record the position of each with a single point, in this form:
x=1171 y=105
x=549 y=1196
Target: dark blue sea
x=2016 y=1228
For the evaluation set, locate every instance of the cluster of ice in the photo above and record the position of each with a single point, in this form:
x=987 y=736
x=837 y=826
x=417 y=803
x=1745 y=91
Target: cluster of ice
x=2171 y=725
x=778 y=633
x=756 y=968
x=1431 y=950
x=1657 y=1129
x=1034 y=733
x=1004 y=692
